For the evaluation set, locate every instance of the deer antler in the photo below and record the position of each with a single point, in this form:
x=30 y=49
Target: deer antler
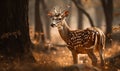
x=55 y=10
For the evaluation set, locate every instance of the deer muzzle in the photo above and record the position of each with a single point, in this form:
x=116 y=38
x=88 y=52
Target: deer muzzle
x=52 y=25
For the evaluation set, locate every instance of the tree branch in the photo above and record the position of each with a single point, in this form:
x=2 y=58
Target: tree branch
x=82 y=10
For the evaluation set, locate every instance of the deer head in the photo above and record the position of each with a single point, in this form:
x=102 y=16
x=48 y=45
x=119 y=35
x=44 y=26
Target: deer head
x=57 y=17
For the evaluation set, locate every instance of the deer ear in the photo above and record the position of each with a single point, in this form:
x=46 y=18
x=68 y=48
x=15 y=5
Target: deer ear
x=50 y=14
x=65 y=13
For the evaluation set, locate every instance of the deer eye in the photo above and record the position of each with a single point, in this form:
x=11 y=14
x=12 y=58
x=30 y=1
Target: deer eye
x=60 y=19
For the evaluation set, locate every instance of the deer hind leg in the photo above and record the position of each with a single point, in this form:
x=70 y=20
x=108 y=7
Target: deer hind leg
x=92 y=57
x=75 y=57
x=101 y=47
x=101 y=57
x=101 y=54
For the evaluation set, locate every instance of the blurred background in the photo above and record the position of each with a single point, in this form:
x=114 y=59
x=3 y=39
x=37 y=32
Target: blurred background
x=29 y=43
x=40 y=22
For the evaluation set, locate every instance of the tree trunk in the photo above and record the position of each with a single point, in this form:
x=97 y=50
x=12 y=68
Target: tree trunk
x=39 y=33
x=47 y=22
x=14 y=31
x=80 y=17
x=108 y=10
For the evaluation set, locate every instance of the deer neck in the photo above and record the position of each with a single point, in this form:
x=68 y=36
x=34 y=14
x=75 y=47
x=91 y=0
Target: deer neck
x=63 y=29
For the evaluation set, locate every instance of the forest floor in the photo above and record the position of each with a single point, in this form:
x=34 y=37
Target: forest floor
x=60 y=59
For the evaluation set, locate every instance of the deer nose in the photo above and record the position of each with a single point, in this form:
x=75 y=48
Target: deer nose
x=52 y=25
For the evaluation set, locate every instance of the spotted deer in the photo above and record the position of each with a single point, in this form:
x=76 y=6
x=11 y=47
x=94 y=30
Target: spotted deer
x=85 y=41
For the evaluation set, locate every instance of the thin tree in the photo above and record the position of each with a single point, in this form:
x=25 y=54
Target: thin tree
x=39 y=32
x=47 y=22
x=108 y=11
x=80 y=17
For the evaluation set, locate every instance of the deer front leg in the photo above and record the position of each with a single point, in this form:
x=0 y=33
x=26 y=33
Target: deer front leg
x=75 y=57
x=92 y=57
